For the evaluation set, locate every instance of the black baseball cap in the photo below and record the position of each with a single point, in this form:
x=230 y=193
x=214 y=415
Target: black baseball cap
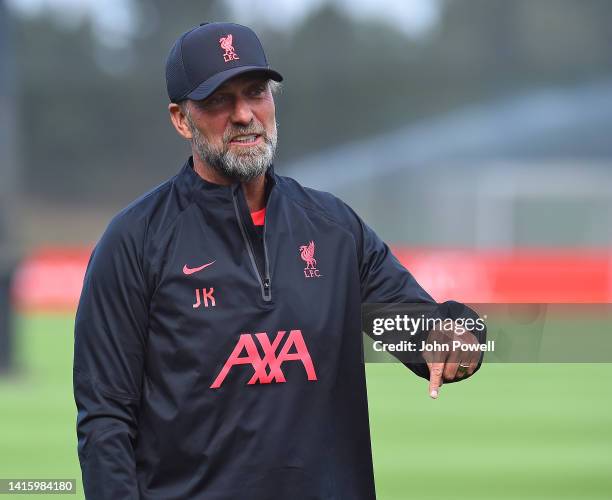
x=207 y=56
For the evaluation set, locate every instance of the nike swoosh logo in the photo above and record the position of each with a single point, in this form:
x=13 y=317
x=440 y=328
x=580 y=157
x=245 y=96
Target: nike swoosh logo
x=191 y=270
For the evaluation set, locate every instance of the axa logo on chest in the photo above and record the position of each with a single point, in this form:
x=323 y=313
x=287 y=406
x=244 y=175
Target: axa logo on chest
x=268 y=369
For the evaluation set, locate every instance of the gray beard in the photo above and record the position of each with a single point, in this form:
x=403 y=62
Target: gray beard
x=239 y=166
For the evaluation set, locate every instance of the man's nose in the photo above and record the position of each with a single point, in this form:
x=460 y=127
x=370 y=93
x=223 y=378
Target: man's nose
x=241 y=113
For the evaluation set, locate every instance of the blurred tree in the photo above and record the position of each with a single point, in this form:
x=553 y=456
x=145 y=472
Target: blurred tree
x=341 y=78
x=90 y=133
x=94 y=118
x=494 y=46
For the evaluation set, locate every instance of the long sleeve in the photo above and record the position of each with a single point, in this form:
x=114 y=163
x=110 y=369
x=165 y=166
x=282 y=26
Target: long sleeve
x=385 y=280
x=110 y=339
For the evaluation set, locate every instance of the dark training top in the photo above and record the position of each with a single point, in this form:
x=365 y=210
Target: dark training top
x=211 y=366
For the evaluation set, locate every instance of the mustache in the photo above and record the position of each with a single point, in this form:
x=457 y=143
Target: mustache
x=232 y=132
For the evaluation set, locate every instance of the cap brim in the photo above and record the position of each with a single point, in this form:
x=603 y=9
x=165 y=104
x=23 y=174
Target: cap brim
x=206 y=88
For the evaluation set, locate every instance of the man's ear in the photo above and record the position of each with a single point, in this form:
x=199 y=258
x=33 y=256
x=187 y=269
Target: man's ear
x=179 y=121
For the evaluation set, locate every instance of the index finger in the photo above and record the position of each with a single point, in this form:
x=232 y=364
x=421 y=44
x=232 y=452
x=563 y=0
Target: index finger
x=435 y=378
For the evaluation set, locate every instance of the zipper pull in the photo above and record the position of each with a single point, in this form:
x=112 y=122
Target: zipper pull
x=267 y=292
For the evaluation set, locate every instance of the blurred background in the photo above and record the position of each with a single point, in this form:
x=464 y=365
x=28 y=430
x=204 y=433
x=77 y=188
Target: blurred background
x=475 y=136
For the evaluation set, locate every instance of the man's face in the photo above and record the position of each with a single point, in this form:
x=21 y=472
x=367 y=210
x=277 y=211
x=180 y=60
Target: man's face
x=234 y=129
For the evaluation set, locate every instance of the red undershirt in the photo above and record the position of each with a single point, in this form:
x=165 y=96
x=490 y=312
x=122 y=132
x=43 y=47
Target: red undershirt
x=259 y=217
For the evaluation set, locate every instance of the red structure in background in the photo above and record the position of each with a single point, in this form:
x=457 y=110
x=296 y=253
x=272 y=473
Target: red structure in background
x=549 y=275
x=50 y=279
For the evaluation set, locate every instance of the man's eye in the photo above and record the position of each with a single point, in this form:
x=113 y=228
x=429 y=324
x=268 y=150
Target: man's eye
x=215 y=100
x=260 y=89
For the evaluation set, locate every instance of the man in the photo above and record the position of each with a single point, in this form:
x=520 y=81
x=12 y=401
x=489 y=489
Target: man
x=218 y=338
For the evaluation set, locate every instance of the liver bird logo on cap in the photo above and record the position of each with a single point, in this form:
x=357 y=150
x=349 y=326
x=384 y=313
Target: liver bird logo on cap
x=227 y=44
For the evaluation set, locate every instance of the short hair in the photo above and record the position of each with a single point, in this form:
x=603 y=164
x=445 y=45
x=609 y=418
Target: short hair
x=275 y=87
x=184 y=106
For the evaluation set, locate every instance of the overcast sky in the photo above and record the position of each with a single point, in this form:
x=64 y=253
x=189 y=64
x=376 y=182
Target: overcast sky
x=114 y=20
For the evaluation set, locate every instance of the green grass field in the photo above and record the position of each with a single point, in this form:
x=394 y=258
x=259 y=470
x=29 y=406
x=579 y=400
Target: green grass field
x=513 y=431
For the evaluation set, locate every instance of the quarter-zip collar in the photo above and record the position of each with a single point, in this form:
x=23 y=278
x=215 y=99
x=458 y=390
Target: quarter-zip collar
x=227 y=203
x=191 y=185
